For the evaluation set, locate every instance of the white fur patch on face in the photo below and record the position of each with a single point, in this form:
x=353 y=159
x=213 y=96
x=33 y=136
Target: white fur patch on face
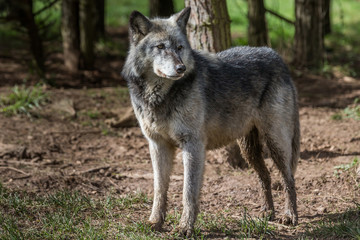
x=165 y=68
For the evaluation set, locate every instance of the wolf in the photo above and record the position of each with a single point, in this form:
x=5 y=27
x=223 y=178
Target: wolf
x=196 y=101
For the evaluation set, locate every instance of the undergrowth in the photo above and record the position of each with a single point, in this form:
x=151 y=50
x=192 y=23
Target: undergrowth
x=72 y=215
x=344 y=225
x=351 y=111
x=22 y=100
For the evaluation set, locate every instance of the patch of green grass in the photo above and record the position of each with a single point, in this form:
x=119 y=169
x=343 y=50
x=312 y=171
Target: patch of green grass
x=343 y=226
x=137 y=230
x=63 y=215
x=22 y=100
x=351 y=111
x=337 y=116
x=244 y=227
x=93 y=114
x=346 y=167
x=72 y=215
x=250 y=227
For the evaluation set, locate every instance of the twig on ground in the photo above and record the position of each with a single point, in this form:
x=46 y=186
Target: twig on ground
x=279 y=224
x=75 y=132
x=22 y=162
x=94 y=169
x=15 y=170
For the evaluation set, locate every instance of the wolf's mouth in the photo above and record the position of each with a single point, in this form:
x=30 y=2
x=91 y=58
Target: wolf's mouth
x=172 y=77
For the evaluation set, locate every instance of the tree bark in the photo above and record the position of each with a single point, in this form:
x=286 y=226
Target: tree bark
x=100 y=19
x=23 y=11
x=257 y=30
x=308 y=45
x=326 y=19
x=208 y=28
x=71 y=34
x=161 y=8
x=87 y=32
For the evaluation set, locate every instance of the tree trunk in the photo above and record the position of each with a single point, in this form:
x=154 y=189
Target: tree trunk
x=161 y=8
x=308 y=45
x=209 y=25
x=23 y=10
x=87 y=32
x=257 y=30
x=100 y=19
x=71 y=34
x=326 y=19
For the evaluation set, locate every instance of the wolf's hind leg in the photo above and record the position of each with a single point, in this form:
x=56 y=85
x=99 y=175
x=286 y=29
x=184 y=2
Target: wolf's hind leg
x=162 y=155
x=279 y=144
x=251 y=150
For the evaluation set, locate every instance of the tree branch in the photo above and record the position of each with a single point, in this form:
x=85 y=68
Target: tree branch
x=46 y=7
x=279 y=16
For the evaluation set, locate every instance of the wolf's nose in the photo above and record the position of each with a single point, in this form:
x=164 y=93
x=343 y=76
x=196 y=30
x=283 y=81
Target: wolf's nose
x=180 y=68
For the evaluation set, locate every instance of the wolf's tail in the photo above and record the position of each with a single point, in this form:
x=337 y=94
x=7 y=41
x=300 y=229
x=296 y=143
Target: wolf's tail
x=295 y=144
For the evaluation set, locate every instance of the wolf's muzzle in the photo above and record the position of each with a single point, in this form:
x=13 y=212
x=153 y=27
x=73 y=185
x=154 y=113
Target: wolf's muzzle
x=180 y=68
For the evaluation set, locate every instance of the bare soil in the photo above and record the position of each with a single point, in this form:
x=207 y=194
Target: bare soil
x=56 y=149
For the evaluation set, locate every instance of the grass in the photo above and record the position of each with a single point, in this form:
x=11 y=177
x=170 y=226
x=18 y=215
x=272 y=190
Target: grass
x=350 y=169
x=93 y=114
x=22 y=100
x=352 y=111
x=339 y=226
x=62 y=215
x=72 y=215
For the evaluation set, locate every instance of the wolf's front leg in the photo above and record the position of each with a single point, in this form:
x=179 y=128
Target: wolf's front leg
x=193 y=159
x=162 y=154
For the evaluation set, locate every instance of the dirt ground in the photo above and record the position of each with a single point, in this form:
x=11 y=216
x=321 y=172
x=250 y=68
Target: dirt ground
x=68 y=144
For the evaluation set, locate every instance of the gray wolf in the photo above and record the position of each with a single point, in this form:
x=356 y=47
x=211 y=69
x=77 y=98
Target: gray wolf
x=198 y=101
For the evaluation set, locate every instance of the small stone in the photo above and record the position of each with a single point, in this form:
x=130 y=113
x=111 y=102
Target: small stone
x=321 y=209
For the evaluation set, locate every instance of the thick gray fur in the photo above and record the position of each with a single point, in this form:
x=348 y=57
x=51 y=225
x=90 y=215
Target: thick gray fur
x=243 y=94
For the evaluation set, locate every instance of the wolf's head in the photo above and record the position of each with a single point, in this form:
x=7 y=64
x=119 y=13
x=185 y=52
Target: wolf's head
x=160 y=45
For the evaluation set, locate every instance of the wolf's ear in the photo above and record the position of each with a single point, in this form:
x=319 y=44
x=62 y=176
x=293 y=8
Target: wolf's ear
x=139 y=27
x=182 y=18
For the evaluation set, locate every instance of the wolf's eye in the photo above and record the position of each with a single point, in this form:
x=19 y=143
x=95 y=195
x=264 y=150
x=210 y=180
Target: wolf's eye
x=180 y=47
x=160 y=46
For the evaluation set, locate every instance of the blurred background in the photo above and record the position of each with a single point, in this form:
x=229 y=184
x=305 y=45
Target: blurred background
x=72 y=43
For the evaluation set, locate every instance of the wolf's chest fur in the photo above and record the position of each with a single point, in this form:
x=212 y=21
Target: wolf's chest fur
x=161 y=106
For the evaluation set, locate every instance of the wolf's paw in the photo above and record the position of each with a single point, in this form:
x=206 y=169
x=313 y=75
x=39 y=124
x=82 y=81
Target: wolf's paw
x=185 y=231
x=155 y=226
x=289 y=219
x=265 y=213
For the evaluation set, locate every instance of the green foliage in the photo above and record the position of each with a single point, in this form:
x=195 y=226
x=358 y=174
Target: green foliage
x=117 y=14
x=23 y=99
x=349 y=168
x=137 y=230
x=245 y=227
x=351 y=111
x=72 y=215
x=250 y=226
x=342 y=226
x=48 y=20
x=93 y=114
